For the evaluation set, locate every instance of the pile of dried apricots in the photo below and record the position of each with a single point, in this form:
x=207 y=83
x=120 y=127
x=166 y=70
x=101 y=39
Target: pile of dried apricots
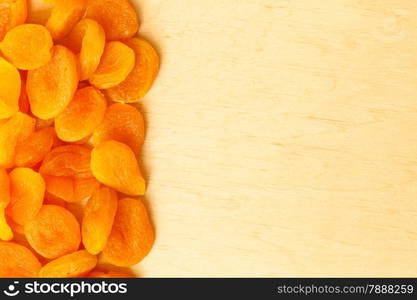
x=70 y=184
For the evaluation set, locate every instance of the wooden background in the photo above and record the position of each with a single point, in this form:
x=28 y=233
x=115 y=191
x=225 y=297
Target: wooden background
x=282 y=137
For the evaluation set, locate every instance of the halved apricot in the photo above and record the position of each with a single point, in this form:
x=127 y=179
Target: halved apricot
x=98 y=220
x=51 y=87
x=27 y=189
x=12 y=13
x=64 y=16
x=87 y=40
x=123 y=123
x=114 y=164
x=115 y=65
x=10 y=87
x=6 y=233
x=141 y=79
x=118 y=17
x=27 y=46
x=132 y=236
x=17 y=261
x=34 y=149
x=84 y=113
x=53 y=232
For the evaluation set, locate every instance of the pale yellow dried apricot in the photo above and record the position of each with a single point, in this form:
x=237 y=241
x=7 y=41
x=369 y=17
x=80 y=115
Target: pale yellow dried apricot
x=51 y=87
x=115 y=65
x=98 y=220
x=87 y=40
x=17 y=261
x=72 y=265
x=10 y=87
x=132 y=236
x=65 y=14
x=114 y=164
x=140 y=80
x=123 y=123
x=84 y=113
x=27 y=46
x=53 y=232
x=27 y=189
x=118 y=17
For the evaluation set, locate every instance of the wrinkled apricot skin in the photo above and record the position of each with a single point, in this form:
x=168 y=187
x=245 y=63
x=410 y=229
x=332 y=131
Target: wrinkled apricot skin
x=140 y=80
x=122 y=123
x=87 y=40
x=71 y=265
x=27 y=46
x=27 y=189
x=51 y=87
x=84 y=113
x=17 y=261
x=12 y=13
x=6 y=233
x=118 y=17
x=53 y=232
x=98 y=220
x=116 y=63
x=10 y=87
x=64 y=16
x=109 y=274
x=132 y=236
x=114 y=164
x=34 y=149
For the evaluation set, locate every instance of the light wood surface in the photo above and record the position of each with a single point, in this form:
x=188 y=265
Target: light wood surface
x=282 y=137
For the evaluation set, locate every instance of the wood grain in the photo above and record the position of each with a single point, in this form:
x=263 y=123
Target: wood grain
x=282 y=137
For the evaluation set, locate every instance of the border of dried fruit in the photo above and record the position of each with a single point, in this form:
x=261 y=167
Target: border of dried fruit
x=69 y=139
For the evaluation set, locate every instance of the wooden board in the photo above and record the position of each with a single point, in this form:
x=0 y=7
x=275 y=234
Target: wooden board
x=282 y=137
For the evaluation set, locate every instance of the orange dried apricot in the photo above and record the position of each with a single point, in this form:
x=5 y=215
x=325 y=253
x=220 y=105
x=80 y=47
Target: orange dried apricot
x=98 y=219
x=140 y=80
x=115 y=65
x=123 y=123
x=71 y=265
x=27 y=189
x=17 y=261
x=12 y=13
x=84 y=113
x=87 y=40
x=27 y=46
x=64 y=16
x=34 y=149
x=10 y=87
x=109 y=274
x=13 y=131
x=51 y=87
x=118 y=17
x=114 y=164
x=132 y=236
x=71 y=189
x=6 y=233
x=53 y=232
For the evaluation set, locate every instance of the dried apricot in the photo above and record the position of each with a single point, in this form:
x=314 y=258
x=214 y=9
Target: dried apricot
x=27 y=189
x=84 y=113
x=109 y=274
x=115 y=65
x=71 y=265
x=114 y=164
x=34 y=149
x=6 y=233
x=53 y=232
x=118 y=17
x=71 y=189
x=10 y=87
x=141 y=79
x=17 y=261
x=51 y=87
x=12 y=13
x=27 y=46
x=122 y=123
x=132 y=236
x=98 y=220
x=87 y=40
x=64 y=16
